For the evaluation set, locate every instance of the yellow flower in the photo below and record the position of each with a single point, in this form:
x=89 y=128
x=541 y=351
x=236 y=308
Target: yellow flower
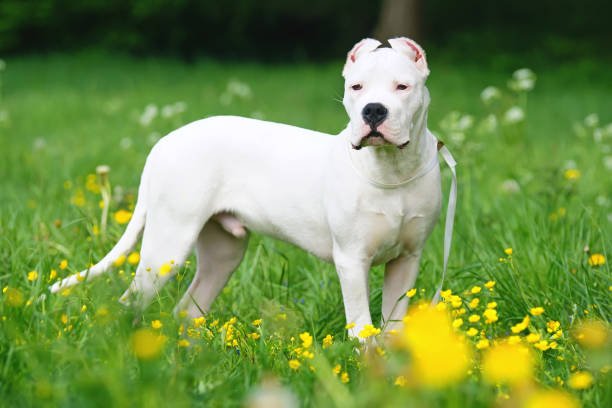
x=474 y=318
x=457 y=323
x=349 y=326
x=64 y=318
x=542 y=345
x=198 y=321
x=474 y=303
x=119 y=261
x=507 y=363
x=472 y=332
x=183 y=343
x=254 y=335
x=536 y=311
x=475 y=290
x=490 y=285
x=491 y=305
x=368 y=331
x=552 y=326
x=519 y=327
x=32 y=276
x=401 y=381
x=592 y=334
x=133 y=258
x=533 y=337
x=328 y=341
x=337 y=368
x=411 y=292
x=344 y=377
x=256 y=322
x=508 y=251
x=122 y=216
x=455 y=301
x=597 y=260
x=482 y=344
x=156 y=324
x=551 y=398
x=146 y=344
x=580 y=380
x=306 y=340
x=83 y=308
x=52 y=275
x=165 y=269
x=490 y=316
x=571 y=174
x=446 y=294
x=294 y=364
x=441 y=356
x=63 y=264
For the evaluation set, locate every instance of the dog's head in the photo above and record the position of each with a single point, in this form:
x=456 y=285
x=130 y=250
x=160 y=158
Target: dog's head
x=384 y=94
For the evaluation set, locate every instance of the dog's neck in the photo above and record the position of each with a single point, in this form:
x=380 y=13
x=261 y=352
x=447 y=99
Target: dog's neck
x=392 y=166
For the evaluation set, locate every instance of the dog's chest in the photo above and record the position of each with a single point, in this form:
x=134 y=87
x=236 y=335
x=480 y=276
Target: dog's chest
x=395 y=223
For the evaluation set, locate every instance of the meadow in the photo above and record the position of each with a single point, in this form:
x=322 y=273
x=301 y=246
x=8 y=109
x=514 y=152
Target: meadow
x=525 y=314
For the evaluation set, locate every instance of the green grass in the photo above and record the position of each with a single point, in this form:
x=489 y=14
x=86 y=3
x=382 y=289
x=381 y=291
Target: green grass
x=69 y=113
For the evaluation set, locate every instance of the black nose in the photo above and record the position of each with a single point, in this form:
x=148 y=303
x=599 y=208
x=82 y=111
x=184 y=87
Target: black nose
x=374 y=114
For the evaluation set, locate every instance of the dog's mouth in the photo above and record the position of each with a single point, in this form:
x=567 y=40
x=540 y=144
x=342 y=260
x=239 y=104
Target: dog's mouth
x=376 y=138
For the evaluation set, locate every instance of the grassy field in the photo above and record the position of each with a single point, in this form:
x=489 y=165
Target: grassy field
x=539 y=183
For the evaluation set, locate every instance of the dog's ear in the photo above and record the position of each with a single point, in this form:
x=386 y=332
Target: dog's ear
x=363 y=46
x=412 y=50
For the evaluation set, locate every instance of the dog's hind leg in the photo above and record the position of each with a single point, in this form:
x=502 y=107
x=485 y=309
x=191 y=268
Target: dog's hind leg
x=166 y=243
x=219 y=253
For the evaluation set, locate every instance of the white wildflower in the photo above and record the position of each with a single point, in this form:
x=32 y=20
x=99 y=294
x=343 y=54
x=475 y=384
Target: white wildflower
x=171 y=110
x=510 y=186
x=489 y=94
x=148 y=115
x=514 y=115
x=522 y=80
x=592 y=120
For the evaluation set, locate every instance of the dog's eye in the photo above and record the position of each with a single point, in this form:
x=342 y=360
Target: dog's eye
x=356 y=87
x=402 y=87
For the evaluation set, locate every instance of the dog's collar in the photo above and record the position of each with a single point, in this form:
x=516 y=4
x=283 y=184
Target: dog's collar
x=420 y=173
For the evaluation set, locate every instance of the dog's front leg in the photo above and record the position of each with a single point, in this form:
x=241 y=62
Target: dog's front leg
x=400 y=276
x=353 y=274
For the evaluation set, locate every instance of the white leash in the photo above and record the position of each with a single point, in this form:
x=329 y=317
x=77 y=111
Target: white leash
x=450 y=215
x=450 y=209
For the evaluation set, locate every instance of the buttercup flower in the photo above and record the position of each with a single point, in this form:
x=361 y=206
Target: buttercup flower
x=592 y=334
x=133 y=258
x=552 y=398
x=411 y=292
x=536 y=311
x=146 y=345
x=328 y=341
x=368 y=331
x=597 y=260
x=156 y=324
x=32 y=276
x=122 y=216
x=294 y=364
x=580 y=380
x=507 y=363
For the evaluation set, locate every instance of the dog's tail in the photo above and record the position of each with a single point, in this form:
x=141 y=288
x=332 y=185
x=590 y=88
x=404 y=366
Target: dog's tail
x=124 y=245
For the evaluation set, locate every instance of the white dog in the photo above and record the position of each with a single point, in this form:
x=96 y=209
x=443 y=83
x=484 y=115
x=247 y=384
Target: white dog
x=368 y=196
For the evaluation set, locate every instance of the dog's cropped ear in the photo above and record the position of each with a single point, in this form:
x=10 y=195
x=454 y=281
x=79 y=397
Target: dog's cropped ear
x=412 y=50
x=363 y=46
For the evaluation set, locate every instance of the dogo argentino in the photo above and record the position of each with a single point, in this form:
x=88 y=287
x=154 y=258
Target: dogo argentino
x=368 y=196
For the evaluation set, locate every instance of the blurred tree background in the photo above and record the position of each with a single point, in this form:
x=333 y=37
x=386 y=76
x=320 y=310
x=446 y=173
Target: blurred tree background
x=304 y=30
